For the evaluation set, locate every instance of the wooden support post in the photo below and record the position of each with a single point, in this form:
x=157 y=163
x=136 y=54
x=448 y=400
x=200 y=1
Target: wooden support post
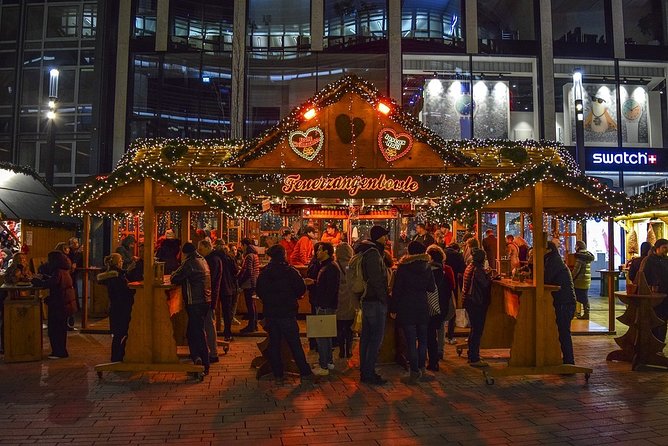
x=85 y=291
x=611 y=277
x=539 y=273
x=500 y=238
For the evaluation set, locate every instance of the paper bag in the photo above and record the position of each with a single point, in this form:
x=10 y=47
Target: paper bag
x=321 y=326
x=461 y=318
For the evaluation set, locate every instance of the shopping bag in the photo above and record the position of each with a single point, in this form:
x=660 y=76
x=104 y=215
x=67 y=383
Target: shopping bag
x=432 y=300
x=321 y=326
x=357 y=322
x=461 y=318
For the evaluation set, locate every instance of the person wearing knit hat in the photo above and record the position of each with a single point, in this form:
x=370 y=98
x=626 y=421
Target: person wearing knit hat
x=195 y=279
x=170 y=233
x=377 y=232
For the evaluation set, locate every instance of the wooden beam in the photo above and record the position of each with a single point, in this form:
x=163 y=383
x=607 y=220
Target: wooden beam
x=539 y=273
x=86 y=261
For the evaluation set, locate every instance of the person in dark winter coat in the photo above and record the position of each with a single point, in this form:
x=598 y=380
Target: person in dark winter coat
x=325 y=298
x=61 y=301
x=195 y=280
x=250 y=268
x=121 y=299
x=205 y=249
x=374 y=302
x=348 y=303
x=582 y=276
x=229 y=289
x=279 y=286
x=169 y=252
x=127 y=250
x=412 y=281
x=445 y=283
x=477 y=291
x=655 y=268
x=557 y=273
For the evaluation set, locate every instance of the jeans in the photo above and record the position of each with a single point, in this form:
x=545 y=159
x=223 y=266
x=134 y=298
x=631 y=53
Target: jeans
x=374 y=314
x=477 y=314
x=564 y=313
x=226 y=307
x=281 y=329
x=582 y=296
x=119 y=323
x=211 y=334
x=417 y=354
x=324 y=344
x=344 y=334
x=435 y=343
x=196 y=335
x=250 y=306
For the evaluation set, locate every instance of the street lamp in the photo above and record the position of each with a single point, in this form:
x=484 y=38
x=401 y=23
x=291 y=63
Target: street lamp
x=579 y=119
x=51 y=125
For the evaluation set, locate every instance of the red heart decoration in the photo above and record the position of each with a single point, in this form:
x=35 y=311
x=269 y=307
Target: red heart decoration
x=307 y=144
x=394 y=145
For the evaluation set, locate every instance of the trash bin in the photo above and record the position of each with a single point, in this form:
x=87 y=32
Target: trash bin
x=604 y=282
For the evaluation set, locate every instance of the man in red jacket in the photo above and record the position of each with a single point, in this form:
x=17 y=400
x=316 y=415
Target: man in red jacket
x=303 y=250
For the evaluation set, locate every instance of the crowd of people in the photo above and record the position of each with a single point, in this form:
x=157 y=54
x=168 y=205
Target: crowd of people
x=433 y=274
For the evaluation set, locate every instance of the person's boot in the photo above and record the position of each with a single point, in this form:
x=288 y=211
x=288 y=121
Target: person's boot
x=585 y=313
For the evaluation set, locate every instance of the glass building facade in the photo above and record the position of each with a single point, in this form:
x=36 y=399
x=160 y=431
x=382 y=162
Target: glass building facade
x=202 y=69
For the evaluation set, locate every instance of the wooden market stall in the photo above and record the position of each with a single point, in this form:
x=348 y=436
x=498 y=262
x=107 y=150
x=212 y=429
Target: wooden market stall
x=348 y=155
x=521 y=316
x=26 y=215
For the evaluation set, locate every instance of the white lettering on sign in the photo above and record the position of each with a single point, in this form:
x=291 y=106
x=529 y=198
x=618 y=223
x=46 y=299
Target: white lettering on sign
x=394 y=143
x=634 y=159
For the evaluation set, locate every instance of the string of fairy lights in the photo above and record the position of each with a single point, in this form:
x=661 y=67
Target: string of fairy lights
x=452 y=195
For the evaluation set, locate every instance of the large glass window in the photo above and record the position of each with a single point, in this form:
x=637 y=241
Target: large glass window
x=426 y=24
x=354 y=22
x=144 y=18
x=89 y=21
x=62 y=21
x=34 y=21
x=493 y=100
x=276 y=86
x=624 y=111
x=645 y=28
x=278 y=25
x=579 y=28
x=506 y=26
x=202 y=24
x=181 y=95
x=9 y=21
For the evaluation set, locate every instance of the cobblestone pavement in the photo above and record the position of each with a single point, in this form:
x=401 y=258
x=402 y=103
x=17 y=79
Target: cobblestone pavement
x=63 y=402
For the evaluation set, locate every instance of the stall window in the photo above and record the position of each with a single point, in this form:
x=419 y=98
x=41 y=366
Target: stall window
x=279 y=25
x=506 y=27
x=354 y=23
x=427 y=25
x=579 y=28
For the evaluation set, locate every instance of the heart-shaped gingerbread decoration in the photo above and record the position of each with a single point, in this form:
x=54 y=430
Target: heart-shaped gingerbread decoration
x=347 y=128
x=394 y=145
x=307 y=144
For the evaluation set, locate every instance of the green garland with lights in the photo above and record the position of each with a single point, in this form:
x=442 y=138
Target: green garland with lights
x=73 y=203
x=648 y=201
x=488 y=189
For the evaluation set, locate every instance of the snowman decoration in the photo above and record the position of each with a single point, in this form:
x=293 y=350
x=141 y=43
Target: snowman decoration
x=599 y=119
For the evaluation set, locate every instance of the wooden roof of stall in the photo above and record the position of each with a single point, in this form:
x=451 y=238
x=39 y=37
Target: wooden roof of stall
x=647 y=203
x=349 y=124
x=566 y=192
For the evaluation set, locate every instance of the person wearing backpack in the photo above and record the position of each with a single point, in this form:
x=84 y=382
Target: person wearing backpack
x=374 y=273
